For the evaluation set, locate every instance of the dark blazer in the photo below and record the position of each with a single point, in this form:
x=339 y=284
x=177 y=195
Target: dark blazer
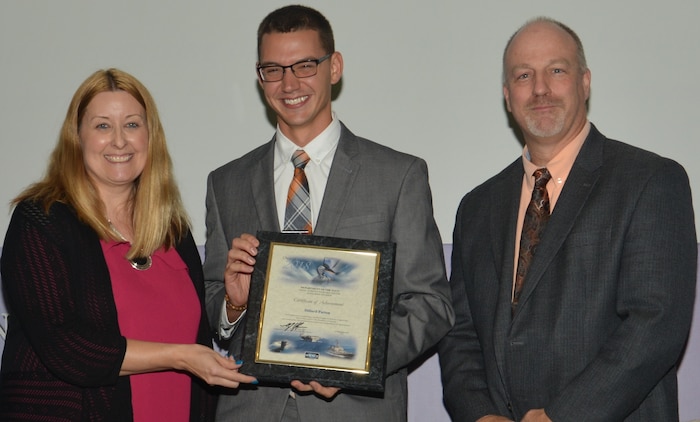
x=372 y=193
x=606 y=305
x=64 y=350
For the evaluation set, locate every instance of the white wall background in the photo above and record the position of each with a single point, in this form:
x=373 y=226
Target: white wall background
x=197 y=59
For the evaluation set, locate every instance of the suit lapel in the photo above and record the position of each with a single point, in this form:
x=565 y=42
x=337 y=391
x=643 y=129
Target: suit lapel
x=582 y=178
x=263 y=189
x=504 y=204
x=343 y=173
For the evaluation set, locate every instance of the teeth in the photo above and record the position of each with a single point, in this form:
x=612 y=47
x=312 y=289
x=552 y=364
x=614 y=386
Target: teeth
x=118 y=158
x=295 y=101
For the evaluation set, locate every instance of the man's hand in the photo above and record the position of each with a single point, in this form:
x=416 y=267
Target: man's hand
x=327 y=392
x=493 y=418
x=239 y=267
x=536 y=415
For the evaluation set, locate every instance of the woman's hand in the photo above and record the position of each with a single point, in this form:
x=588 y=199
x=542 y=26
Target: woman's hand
x=213 y=368
x=201 y=361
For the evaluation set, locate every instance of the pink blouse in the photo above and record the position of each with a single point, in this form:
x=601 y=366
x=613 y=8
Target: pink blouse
x=160 y=305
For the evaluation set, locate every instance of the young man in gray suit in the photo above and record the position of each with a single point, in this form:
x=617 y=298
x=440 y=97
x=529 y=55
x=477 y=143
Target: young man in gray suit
x=593 y=328
x=357 y=189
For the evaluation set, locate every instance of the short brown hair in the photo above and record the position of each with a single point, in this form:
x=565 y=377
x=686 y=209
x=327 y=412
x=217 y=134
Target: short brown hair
x=294 y=18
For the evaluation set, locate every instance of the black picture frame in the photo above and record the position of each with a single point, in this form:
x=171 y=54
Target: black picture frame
x=307 y=293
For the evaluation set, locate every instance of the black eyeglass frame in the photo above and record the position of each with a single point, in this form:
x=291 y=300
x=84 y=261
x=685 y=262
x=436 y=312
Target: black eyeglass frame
x=291 y=67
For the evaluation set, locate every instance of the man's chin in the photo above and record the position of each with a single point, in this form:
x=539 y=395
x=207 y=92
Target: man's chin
x=544 y=128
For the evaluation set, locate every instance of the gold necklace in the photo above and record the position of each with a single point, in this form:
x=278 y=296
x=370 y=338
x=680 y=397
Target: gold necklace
x=141 y=263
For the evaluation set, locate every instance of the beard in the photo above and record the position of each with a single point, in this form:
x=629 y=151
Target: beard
x=545 y=126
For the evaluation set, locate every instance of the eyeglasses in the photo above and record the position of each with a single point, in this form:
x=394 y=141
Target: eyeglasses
x=302 y=69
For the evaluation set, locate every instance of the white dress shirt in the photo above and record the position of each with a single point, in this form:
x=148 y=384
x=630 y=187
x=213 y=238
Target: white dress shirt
x=321 y=151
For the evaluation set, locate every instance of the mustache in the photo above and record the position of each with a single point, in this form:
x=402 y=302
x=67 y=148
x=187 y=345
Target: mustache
x=544 y=103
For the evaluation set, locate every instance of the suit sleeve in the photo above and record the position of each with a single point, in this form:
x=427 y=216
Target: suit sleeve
x=465 y=389
x=656 y=285
x=216 y=248
x=422 y=311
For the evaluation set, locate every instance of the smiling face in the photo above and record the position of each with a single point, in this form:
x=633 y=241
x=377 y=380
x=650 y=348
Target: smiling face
x=545 y=87
x=114 y=139
x=302 y=105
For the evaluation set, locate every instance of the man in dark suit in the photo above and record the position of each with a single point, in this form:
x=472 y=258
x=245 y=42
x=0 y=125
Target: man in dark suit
x=358 y=189
x=594 y=331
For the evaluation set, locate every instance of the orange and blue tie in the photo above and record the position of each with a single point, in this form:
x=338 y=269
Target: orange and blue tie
x=297 y=217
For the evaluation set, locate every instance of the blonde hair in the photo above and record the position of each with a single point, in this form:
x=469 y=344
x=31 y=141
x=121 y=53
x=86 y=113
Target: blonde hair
x=158 y=216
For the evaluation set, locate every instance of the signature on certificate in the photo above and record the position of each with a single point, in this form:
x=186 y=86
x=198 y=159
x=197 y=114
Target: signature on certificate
x=292 y=326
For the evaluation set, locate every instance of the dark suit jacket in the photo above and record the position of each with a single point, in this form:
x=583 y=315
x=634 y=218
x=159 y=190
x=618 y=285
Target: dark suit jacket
x=64 y=350
x=606 y=305
x=373 y=193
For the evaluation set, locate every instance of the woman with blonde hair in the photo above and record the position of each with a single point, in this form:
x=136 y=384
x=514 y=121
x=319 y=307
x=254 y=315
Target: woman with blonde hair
x=103 y=279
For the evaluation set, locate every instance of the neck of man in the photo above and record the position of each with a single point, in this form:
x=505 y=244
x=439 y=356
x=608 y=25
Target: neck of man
x=302 y=135
x=543 y=150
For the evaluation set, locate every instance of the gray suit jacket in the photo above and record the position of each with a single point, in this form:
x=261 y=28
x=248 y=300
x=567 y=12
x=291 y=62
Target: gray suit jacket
x=606 y=305
x=373 y=193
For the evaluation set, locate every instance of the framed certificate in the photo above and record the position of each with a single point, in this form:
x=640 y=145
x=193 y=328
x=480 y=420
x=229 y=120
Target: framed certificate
x=319 y=309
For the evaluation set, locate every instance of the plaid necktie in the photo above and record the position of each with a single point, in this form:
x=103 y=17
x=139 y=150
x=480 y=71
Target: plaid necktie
x=297 y=217
x=536 y=218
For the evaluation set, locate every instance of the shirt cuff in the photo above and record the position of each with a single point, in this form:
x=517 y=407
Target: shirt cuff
x=226 y=327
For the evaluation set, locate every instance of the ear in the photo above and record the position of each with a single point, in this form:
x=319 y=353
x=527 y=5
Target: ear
x=506 y=96
x=586 y=79
x=260 y=82
x=336 y=67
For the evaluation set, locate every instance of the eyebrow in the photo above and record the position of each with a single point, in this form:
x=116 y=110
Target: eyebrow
x=128 y=116
x=291 y=64
x=513 y=70
x=550 y=63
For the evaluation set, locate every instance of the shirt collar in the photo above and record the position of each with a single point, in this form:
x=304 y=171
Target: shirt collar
x=559 y=166
x=317 y=149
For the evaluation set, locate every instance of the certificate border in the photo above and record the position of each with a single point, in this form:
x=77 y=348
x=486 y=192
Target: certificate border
x=373 y=380
x=342 y=276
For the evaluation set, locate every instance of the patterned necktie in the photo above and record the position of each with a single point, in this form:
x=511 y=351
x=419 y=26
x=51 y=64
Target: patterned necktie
x=536 y=218
x=297 y=216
